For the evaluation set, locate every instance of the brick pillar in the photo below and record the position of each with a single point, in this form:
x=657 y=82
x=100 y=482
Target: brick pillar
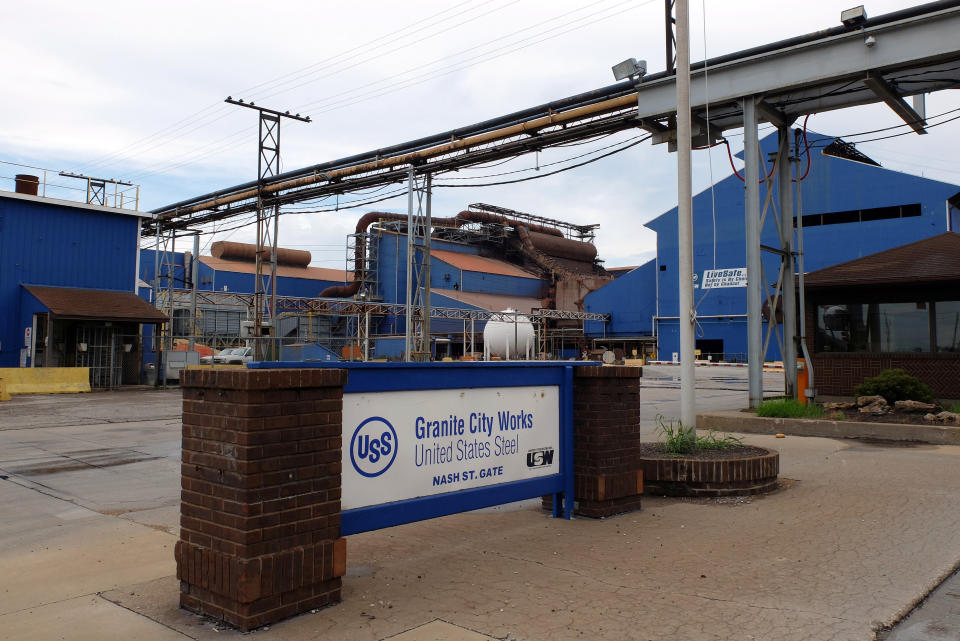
x=606 y=432
x=260 y=502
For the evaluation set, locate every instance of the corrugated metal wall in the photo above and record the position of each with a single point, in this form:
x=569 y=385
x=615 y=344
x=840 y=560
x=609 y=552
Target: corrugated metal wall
x=833 y=185
x=44 y=243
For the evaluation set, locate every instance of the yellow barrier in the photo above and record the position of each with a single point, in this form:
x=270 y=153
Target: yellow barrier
x=4 y=395
x=46 y=380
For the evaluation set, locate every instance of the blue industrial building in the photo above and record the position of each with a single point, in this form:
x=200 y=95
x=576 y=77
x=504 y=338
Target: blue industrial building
x=231 y=269
x=851 y=208
x=68 y=281
x=232 y=275
x=460 y=278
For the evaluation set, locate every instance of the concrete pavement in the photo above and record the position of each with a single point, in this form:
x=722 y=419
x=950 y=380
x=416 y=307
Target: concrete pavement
x=855 y=537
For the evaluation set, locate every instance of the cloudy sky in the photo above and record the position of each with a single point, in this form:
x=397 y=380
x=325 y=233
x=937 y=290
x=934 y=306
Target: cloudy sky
x=134 y=91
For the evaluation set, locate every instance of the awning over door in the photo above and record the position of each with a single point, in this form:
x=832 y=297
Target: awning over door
x=96 y=304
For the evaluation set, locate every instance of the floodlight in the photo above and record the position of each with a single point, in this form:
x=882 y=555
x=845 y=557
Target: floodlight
x=853 y=17
x=629 y=68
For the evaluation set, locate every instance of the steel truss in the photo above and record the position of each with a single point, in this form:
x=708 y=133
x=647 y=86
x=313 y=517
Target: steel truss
x=180 y=298
x=365 y=311
x=417 y=309
x=583 y=233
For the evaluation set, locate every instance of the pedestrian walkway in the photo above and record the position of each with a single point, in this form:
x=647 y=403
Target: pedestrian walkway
x=857 y=535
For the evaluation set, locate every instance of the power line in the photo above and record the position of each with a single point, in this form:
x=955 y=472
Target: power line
x=340 y=68
x=459 y=66
x=549 y=164
x=329 y=61
x=321 y=107
x=557 y=171
x=219 y=111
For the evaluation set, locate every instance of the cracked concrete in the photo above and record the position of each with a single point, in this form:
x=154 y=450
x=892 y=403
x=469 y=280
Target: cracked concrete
x=857 y=534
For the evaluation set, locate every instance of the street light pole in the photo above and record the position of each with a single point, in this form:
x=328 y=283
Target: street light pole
x=686 y=311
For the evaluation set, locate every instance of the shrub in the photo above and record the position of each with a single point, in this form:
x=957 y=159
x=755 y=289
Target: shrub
x=788 y=408
x=684 y=440
x=895 y=385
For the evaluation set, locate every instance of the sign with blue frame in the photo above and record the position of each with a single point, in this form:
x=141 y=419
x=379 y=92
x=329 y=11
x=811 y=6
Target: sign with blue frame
x=410 y=444
x=422 y=440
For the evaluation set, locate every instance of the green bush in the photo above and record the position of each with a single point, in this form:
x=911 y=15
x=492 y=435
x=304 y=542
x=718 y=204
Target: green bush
x=895 y=385
x=788 y=408
x=684 y=440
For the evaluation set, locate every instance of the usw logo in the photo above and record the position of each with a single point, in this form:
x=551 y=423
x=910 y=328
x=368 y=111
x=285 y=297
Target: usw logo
x=540 y=457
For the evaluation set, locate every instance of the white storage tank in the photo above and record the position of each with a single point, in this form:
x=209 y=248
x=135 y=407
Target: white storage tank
x=509 y=339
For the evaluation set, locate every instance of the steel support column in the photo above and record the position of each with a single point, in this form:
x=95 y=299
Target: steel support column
x=425 y=345
x=788 y=294
x=408 y=320
x=755 y=285
x=194 y=277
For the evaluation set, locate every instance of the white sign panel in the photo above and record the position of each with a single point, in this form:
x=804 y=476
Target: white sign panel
x=403 y=445
x=716 y=278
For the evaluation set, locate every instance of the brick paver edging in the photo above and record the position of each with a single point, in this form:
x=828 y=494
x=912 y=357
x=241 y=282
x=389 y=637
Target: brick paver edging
x=714 y=477
x=260 y=502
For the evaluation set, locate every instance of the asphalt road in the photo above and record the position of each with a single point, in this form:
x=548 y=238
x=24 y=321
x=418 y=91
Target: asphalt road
x=856 y=537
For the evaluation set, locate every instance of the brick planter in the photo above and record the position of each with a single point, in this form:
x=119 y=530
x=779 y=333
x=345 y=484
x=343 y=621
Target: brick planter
x=260 y=506
x=714 y=477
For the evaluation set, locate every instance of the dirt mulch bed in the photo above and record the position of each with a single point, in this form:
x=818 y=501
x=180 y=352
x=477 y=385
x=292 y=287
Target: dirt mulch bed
x=657 y=450
x=907 y=418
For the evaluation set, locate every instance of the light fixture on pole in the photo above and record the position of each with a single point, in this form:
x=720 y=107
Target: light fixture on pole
x=630 y=68
x=853 y=17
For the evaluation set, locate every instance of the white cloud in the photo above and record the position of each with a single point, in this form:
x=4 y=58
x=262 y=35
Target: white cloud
x=135 y=90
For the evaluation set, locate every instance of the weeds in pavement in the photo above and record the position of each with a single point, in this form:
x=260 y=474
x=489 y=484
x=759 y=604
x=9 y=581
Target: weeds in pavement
x=678 y=439
x=788 y=408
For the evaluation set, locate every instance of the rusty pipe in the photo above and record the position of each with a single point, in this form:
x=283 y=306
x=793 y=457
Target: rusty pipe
x=612 y=104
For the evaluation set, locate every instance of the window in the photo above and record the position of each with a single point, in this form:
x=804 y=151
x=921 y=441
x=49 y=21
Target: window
x=947 y=315
x=889 y=327
x=861 y=215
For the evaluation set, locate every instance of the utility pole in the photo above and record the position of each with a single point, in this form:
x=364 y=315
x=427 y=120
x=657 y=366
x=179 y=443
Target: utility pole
x=268 y=165
x=686 y=310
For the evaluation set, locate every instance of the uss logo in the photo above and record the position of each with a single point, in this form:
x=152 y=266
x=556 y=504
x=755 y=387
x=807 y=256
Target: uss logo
x=373 y=447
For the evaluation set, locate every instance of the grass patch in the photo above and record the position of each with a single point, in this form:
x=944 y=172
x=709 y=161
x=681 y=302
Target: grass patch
x=955 y=408
x=788 y=408
x=678 y=439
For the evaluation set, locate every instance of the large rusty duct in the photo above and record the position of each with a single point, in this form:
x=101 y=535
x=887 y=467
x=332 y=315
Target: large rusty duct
x=228 y=250
x=544 y=246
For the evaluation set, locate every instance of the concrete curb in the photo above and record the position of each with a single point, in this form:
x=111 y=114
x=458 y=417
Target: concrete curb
x=767 y=367
x=744 y=422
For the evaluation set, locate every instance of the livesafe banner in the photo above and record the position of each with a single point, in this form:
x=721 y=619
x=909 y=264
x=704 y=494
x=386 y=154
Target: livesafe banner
x=403 y=445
